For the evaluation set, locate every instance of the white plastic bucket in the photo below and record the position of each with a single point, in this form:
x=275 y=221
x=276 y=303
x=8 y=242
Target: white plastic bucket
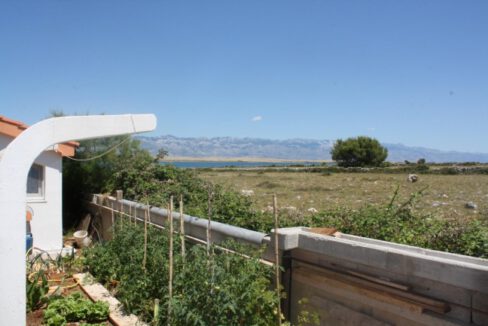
x=80 y=238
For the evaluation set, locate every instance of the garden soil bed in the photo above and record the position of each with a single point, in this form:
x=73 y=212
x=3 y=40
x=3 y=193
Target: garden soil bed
x=58 y=281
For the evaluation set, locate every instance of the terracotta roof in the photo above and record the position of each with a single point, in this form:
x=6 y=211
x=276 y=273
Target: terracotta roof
x=13 y=128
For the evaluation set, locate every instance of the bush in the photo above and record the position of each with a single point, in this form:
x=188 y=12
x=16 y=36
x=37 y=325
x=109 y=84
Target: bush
x=142 y=178
x=396 y=222
x=81 y=178
x=361 y=151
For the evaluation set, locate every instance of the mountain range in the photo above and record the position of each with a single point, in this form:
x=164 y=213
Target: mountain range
x=289 y=149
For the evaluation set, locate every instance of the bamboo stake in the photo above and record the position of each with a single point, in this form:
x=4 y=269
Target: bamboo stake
x=210 y=252
x=209 y=233
x=182 y=230
x=156 y=312
x=130 y=214
x=170 y=281
x=135 y=215
x=149 y=213
x=118 y=198
x=277 y=256
x=113 y=219
x=146 y=213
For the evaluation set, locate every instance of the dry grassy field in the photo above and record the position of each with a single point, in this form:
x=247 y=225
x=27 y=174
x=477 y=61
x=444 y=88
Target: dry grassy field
x=444 y=195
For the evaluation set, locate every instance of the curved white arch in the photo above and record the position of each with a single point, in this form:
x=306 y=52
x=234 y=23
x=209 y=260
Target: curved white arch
x=15 y=163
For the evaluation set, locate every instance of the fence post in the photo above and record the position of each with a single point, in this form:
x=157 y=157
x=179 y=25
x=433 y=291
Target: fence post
x=119 y=194
x=277 y=255
x=182 y=230
x=170 y=278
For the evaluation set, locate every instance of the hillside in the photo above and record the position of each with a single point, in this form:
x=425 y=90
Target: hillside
x=289 y=149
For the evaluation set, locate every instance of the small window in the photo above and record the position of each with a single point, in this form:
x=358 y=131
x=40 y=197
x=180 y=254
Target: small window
x=35 y=181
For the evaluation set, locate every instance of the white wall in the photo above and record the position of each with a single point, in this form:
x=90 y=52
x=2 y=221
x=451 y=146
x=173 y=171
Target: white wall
x=47 y=222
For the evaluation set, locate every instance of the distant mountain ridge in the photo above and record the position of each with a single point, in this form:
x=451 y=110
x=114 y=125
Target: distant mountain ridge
x=289 y=149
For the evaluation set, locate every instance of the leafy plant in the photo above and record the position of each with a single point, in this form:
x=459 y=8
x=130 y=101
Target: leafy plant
x=75 y=308
x=36 y=290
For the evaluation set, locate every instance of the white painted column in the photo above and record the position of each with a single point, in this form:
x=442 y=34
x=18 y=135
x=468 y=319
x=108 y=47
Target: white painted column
x=14 y=167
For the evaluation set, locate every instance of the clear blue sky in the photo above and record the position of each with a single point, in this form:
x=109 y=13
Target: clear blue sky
x=412 y=72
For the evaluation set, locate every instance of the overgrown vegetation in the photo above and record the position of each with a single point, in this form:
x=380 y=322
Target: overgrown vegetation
x=396 y=222
x=220 y=289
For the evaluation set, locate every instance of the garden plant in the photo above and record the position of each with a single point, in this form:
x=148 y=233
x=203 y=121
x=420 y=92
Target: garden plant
x=222 y=288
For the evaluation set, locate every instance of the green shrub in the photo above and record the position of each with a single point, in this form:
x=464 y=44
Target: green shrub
x=397 y=222
x=360 y=151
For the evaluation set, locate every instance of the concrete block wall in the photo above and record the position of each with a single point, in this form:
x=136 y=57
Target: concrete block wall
x=350 y=280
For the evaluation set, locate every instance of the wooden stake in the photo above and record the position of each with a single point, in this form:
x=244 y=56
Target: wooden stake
x=119 y=194
x=156 y=312
x=209 y=233
x=182 y=230
x=149 y=214
x=135 y=215
x=113 y=219
x=146 y=213
x=277 y=255
x=170 y=281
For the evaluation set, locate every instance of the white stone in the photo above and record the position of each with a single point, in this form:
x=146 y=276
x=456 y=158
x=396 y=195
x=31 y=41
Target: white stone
x=247 y=193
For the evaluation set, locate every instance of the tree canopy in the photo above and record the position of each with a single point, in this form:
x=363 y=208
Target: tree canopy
x=360 y=151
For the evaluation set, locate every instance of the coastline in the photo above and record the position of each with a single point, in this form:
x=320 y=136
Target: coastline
x=236 y=159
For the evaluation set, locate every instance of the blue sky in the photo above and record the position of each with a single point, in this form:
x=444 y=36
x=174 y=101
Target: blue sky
x=411 y=72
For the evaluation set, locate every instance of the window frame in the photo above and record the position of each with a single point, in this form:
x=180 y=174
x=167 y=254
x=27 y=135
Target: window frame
x=40 y=194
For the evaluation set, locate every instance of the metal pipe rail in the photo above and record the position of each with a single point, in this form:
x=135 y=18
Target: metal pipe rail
x=194 y=226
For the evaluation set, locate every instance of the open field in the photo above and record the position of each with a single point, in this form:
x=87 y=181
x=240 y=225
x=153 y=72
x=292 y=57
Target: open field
x=444 y=195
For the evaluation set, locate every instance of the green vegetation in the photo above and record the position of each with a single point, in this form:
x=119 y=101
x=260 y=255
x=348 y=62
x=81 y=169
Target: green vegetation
x=396 y=222
x=220 y=289
x=223 y=288
x=143 y=179
x=360 y=151
x=75 y=308
x=37 y=288
x=385 y=168
x=361 y=204
x=438 y=214
x=81 y=178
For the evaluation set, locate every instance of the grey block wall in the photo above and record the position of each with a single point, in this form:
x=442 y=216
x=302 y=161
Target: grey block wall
x=352 y=280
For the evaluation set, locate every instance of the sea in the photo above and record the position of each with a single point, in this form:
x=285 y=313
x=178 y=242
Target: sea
x=236 y=164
